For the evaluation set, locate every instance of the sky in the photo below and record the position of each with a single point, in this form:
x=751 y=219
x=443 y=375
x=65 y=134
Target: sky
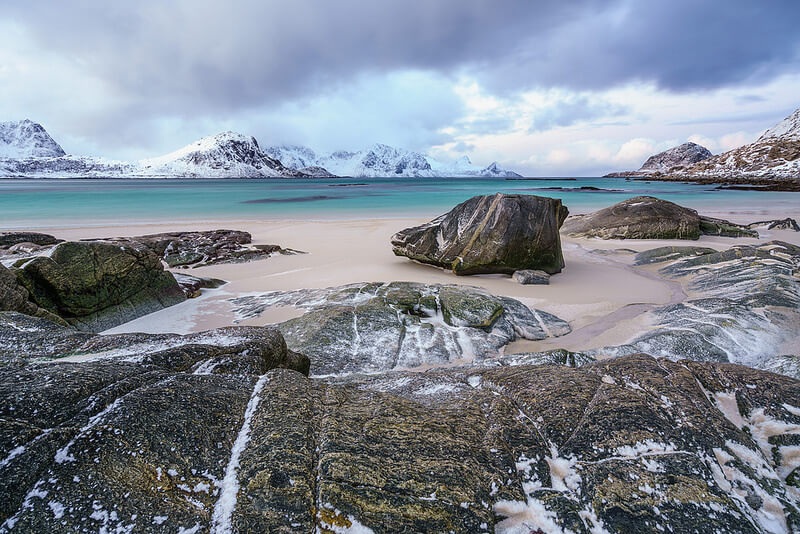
x=546 y=88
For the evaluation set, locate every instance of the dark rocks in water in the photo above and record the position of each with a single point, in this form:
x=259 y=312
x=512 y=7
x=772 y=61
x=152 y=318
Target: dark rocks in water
x=528 y=277
x=631 y=444
x=650 y=218
x=192 y=286
x=96 y=286
x=662 y=254
x=196 y=249
x=8 y=239
x=367 y=328
x=777 y=224
x=490 y=234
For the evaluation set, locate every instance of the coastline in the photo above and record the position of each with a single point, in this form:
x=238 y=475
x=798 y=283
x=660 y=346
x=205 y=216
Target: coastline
x=599 y=293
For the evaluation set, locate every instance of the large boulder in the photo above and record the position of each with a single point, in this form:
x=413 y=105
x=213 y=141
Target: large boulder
x=647 y=217
x=96 y=286
x=490 y=234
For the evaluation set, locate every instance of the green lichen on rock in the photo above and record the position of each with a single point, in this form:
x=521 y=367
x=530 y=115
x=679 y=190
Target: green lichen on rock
x=95 y=286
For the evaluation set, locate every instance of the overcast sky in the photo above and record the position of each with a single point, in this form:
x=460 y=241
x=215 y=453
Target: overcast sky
x=543 y=87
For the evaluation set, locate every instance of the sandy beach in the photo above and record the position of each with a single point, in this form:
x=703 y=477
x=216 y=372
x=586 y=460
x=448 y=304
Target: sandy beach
x=600 y=293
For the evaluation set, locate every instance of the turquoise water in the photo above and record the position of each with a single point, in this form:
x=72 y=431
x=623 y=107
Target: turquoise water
x=52 y=203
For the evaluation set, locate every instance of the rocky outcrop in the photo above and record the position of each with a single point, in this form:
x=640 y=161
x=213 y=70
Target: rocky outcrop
x=490 y=234
x=399 y=325
x=95 y=286
x=193 y=286
x=197 y=249
x=650 y=218
x=615 y=446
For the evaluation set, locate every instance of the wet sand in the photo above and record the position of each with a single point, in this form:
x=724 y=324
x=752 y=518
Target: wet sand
x=600 y=293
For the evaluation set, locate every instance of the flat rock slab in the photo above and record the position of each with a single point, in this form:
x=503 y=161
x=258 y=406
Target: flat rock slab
x=373 y=327
x=633 y=444
x=490 y=234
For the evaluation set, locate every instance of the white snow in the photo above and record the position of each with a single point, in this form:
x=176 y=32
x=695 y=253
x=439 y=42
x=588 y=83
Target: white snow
x=223 y=509
x=526 y=517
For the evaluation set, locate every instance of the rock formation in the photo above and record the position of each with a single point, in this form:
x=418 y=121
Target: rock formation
x=630 y=444
x=95 y=286
x=380 y=327
x=650 y=218
x=490 y=234
x=197 y=249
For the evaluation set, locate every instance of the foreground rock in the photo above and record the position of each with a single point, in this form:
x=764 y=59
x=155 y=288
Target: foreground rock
x=633 y=444
x=490 y=234
x=197 y=249
x=650 y=218
x=745 y=306
x=378 y=327
x=96 y=286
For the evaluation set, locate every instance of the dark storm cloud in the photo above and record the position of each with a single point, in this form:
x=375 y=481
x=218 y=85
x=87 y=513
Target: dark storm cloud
x=188 y=54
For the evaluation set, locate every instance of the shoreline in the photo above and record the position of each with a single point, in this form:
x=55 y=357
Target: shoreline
x=600 y=293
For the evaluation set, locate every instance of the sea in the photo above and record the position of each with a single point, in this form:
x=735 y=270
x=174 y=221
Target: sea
x=53 y=203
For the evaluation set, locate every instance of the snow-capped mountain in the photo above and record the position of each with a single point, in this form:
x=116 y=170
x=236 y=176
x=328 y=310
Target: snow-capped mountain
x=380 y=161
x=675 y=158
x=776 y=154
x=26 y=150
x=226 y=154
x=26 y=139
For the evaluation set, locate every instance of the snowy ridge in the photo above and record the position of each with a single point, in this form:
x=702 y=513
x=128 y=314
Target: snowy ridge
x=776 y=154
x=788 y=128
x=380 y=161
x=26 y=139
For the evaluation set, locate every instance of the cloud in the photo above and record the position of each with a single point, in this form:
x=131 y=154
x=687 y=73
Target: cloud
x=571 y=109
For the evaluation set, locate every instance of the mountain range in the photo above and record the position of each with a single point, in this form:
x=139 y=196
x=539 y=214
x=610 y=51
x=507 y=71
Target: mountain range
x=775 y=155
x=27 y=150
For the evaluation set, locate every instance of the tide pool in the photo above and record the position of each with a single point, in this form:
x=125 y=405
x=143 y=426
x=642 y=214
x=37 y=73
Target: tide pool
x=64 y=202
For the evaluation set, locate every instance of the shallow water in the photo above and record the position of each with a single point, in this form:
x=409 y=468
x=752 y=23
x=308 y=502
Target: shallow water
x=53 y=203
